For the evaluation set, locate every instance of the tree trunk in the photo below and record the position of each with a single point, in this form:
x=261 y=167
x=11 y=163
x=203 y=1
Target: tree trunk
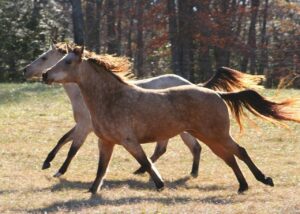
x=173 y=34
x=184 y=37
x=119 y=25
x=251 y=53
x=264 y=55
x=242 y=6
x=204 y=59
x=140 y=41
x=130 y=27
x=77 y=18
x=98 y=25
x=90 y=24
x=112 y=43
x=221 y=52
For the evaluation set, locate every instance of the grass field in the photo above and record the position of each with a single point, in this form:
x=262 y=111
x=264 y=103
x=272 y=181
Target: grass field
x=33 y=117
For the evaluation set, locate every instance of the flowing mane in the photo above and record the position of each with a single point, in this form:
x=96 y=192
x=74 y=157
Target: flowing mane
x=111 y=63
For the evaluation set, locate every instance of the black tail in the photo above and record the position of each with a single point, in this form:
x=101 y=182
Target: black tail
x=227 y=79
x=257 y=105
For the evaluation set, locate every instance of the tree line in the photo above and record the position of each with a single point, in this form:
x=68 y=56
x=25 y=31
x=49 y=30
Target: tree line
x=190 y=38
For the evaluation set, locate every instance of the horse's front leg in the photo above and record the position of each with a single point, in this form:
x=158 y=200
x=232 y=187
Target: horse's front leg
x=136 y=150
x=78 y=140
x=160 y=149
x=62 y=141
x=105 y=152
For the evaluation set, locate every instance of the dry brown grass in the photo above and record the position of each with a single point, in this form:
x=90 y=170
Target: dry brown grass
x=33 y=117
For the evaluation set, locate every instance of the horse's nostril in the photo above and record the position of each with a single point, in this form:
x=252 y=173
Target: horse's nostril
x=24 y=70
x=45 y=75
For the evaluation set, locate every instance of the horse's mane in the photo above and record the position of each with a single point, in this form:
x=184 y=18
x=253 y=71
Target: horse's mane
x=111 y=63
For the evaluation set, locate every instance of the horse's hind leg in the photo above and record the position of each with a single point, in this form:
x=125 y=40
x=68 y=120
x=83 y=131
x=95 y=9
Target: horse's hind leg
x=62 y=141
x=195 y=149
x=242 y=154
x=136 y=150
x=160 y=149
x=231 y=162
x=78 y=139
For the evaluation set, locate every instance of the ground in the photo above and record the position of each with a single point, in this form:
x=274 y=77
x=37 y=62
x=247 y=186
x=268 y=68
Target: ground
x=33 y=117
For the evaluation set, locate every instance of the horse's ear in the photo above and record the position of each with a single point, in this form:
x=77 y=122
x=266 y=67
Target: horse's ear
x=79 y=51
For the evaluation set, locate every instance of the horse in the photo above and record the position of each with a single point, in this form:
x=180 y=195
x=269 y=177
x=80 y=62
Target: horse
x=225 y=79
x=125 y=114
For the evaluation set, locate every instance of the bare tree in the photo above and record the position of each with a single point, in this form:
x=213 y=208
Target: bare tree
x=184 y=37
x=173 y=34
x=99 y=4
x=77 y=18
x=140 y=40
x=90 y=24
x=112 y=43
x=263 y=61
x=221 y=51
x=204 y=59
x=251 y=53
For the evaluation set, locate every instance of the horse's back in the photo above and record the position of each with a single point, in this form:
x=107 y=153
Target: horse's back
x=162 y=82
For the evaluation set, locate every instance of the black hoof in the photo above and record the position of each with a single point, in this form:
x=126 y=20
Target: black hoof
x=139 y=171
x=243 y=189
x=93 y=190
x=269 y=181
x=194 y=174
x=160 y=187
x=46 y=165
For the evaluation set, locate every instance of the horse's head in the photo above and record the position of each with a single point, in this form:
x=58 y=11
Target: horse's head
x=44 y=61
x=66 y=69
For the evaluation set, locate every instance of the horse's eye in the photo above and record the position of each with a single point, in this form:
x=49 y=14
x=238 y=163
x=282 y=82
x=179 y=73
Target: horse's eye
x=68 y=62
x=44 y=58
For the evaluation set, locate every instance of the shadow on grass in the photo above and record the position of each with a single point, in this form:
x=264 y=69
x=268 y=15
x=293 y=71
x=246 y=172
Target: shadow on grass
x=20 y=92
x=133 y=184
x=4 y=192
x=98 y=200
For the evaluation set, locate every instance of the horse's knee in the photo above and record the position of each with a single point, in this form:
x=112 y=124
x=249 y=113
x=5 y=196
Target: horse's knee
x=197 y=148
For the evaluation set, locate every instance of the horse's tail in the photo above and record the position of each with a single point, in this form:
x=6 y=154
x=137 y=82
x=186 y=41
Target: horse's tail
x=227 y=79
x=257 y=105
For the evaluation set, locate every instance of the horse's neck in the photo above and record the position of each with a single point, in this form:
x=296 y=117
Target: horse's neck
x=78 y=105
x=72 y=90
x=97 y=87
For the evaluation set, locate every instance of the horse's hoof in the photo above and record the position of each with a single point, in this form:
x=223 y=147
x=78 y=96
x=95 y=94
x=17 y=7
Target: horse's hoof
x=139 y=171
x=46 y=165
x=269 y=181
x=92 y=190
x=57 y=175
x=194 y=174
x=160 y=189
x=243 y=189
